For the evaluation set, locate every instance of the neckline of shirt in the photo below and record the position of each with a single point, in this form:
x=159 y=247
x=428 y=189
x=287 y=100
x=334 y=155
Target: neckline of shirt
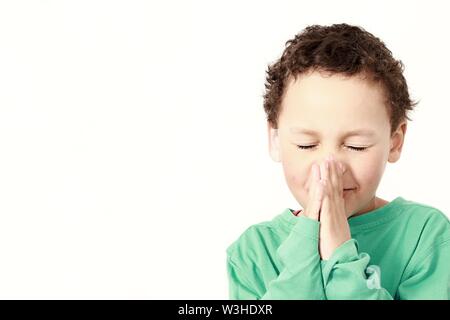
x=363 y=221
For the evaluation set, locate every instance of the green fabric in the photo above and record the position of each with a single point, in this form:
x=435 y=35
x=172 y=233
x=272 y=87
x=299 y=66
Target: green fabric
x=399 y=251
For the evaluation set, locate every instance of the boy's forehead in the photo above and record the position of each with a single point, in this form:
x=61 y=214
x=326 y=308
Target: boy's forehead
x=327 y=105
x=314 y=95
x=363 y=132
x=314 y=89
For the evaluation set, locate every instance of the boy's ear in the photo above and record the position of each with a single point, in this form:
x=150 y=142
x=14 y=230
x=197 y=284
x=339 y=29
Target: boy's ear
x=397 y=141
x=274 y=143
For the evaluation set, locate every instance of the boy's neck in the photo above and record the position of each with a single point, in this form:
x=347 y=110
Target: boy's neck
x=375 y=203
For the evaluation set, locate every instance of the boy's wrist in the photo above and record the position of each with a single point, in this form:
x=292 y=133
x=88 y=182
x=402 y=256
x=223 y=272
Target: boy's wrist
x=333 y=234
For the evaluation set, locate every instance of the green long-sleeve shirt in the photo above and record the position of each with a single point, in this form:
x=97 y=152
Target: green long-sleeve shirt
x=398 y=251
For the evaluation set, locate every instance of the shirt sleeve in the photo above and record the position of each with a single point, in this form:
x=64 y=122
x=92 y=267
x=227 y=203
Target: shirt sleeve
x=301 y=275
x=347 y=275
x=430 y=278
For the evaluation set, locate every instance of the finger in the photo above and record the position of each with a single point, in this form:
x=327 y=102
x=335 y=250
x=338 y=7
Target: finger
x=324 y=176
x=312 y=184
x=318 y=186
x=341 y=167
x=315 y=194
x=324 y=203
x=313 y=176
x=340 y=173
x=334 y=176
x=315 y=172
x=324 y=170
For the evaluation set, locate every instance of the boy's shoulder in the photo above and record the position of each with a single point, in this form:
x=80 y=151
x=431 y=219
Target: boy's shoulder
x=424 y=214
x=263 y=234
x=427 y=226
x=427 y=229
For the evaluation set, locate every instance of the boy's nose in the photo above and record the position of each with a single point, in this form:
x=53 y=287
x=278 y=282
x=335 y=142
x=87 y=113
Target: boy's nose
x=338 y=162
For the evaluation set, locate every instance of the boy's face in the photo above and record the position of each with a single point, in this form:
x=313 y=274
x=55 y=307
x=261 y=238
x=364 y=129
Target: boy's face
x=332 y=106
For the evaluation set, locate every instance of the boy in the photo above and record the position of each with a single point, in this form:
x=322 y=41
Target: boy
x=336 y=105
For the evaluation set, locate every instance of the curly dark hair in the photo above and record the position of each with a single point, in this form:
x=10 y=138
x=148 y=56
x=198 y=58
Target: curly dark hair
x=338 y=49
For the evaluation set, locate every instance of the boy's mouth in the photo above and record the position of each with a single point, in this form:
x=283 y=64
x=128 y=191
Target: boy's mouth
x=348 y=191
x=345 y=189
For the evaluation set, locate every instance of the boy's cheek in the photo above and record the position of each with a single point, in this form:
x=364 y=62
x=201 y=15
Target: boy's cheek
x=299 y=187
x=297 y=179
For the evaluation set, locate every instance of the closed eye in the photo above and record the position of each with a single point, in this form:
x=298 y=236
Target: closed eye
x=350 y=147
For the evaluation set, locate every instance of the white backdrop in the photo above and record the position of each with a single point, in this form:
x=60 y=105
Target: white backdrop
x=133 y=143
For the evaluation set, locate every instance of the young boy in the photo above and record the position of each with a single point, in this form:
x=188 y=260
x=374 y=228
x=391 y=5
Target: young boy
x=336 y=104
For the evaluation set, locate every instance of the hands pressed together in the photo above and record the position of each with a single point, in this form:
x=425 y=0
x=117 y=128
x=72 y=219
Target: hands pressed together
x=326 y=204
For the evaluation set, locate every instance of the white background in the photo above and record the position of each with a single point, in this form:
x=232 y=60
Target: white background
x=133 y=143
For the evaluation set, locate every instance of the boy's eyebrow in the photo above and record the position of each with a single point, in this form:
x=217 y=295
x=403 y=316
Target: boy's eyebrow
x=356 y=132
